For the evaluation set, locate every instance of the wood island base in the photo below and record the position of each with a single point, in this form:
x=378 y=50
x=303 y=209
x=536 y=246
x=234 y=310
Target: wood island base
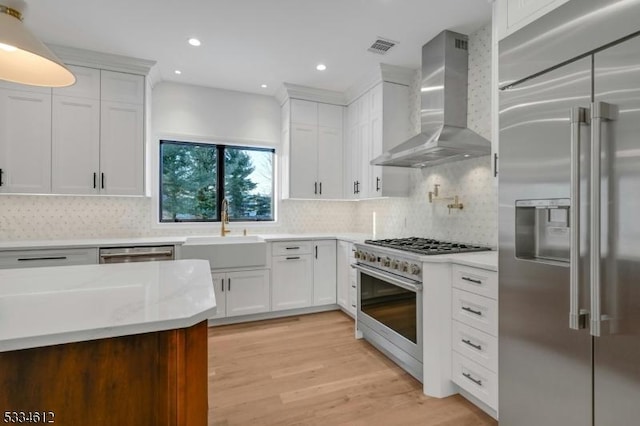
x=157 y=378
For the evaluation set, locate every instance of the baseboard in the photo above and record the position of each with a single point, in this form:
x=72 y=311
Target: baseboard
x=272 y=315
x=481 y=405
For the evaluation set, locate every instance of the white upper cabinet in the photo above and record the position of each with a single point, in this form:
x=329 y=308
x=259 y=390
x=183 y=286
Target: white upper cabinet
x=121 y=87
x=25 y=141
x=87 y=84
x=380 y=121
x=312 y=163
x=121 y=148
x=515 y=14
x=75 y=145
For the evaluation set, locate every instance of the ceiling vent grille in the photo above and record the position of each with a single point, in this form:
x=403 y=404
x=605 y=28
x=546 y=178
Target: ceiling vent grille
x=381 y=46
x=462 y=44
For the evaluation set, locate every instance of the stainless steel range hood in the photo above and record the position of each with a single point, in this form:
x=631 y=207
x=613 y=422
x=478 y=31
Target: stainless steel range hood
x=443 y=113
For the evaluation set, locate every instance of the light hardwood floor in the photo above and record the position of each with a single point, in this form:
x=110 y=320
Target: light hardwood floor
x=309 y=370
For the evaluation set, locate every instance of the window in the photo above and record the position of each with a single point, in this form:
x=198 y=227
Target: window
x=196 y=177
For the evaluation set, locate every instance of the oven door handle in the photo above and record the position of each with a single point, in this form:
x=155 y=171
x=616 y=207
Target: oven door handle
x=398 y=281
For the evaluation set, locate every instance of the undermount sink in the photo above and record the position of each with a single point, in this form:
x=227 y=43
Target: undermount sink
x=227 y=252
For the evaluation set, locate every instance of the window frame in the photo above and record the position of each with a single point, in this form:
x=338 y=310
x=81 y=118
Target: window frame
x=220 y=184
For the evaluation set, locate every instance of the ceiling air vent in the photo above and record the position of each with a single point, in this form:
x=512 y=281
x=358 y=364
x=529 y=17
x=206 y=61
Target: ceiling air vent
x=462 y=44
x=381 y=46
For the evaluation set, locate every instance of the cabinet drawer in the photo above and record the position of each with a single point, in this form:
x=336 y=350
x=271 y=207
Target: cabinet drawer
x=475 y=345
x=283 y=248
x=477 y=311
x=475 y=280
x=52 y=257
x=475 y=379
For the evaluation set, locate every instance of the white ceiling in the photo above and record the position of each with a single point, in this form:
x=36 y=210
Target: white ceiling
x=246 y=43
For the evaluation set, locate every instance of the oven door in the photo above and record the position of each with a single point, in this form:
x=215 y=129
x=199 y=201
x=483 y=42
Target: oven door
x=391 y=306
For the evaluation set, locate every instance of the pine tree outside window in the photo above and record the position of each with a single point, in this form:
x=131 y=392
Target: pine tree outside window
x=196 y=177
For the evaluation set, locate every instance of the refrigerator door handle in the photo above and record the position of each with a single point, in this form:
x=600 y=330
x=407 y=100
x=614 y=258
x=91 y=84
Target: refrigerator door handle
x=600 y=112
x=577 y=317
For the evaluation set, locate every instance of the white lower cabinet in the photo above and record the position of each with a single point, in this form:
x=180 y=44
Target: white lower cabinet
x=241 y=293
x=303 y=274
x=474 y=333
x=347 y=277
x=324 y=273
x=292 y=281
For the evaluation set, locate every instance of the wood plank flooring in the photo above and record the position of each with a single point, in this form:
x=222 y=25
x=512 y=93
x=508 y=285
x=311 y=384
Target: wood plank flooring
x=309 y=370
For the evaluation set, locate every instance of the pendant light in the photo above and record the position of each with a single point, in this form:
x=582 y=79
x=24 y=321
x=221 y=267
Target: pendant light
x=23 y=58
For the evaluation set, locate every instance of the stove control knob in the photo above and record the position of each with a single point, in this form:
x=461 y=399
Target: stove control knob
x=405 y=266
x=415 y=269
x=395 y=264
x=372 y=257
x=386 y=261
x=356 y=254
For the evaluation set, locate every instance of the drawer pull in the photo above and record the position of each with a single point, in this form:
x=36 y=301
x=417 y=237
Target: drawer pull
x=473 y=311
x=470 y=377
x=292 y=248
x=293 y=258
x=473 y=345
x=471 y=280
x=28 y=259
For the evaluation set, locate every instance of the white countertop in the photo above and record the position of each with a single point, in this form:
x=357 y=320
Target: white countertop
x=351 y=237
x=63 y=304
x=92 y=242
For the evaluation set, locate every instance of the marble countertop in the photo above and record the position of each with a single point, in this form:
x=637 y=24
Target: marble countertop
x=63 y=304
x=90 y=242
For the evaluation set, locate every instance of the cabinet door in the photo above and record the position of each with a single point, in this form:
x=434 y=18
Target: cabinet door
x=75 y=145
x=87 y=84
x=364 y=157
x=351 y=163
x=330 y=180
x=304 y=112
x=121 y=87
x=303 y=163
x=292 y=282
x=121 y=149
x=247 y=292
x=25 y=141
x=342 y=279
x=376 y=149
x=324 y=273
x=220 y=287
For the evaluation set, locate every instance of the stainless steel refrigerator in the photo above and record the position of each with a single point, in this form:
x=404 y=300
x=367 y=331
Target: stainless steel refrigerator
x=569 y=218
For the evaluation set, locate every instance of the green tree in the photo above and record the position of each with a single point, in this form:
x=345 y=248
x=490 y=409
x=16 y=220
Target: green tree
x=238 y=186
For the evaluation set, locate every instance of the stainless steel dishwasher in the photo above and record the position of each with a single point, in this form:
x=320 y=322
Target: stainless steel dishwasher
x=136 y=254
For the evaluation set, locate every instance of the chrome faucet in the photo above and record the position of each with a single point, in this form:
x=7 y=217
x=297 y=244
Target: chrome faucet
x=224 y=218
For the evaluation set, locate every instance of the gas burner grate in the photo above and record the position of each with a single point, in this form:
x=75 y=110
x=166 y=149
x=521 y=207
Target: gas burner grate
x=426 y=246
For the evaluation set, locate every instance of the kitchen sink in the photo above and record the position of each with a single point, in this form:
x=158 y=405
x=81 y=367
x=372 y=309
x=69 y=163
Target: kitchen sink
x=227 y=252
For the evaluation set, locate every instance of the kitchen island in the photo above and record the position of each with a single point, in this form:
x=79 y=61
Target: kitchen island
x=121 y=344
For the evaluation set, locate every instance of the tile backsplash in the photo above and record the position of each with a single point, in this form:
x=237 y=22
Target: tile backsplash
x=30 y=217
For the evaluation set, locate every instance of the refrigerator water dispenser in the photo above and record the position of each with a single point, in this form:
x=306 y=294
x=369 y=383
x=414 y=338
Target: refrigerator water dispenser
x=542 y=230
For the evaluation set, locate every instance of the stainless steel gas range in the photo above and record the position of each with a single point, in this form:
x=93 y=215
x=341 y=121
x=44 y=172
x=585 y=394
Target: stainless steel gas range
x=390 y=284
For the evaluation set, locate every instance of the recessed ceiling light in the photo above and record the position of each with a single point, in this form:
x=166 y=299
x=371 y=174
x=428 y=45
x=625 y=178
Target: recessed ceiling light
x=321 y=67
x=194 y=42
x=467 y=156
x=178 y=72
x=264 y=86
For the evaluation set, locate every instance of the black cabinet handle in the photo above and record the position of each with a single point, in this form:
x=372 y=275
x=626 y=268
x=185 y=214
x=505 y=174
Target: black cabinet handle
x=222 y=284
x=1 y=173
x=292 y=248
x=354 y=187
x=470 y=377
x=102 y=180
x=316 y=252
x=377 y=184
x=473 y=345
x=293 y=258
x=229 y=288
x=357 y=187
x=495 y=165
x=30 y=259
x=315 y=187
x=471 y=280
x=468 y=309
x=95 y=177
x=320 y=188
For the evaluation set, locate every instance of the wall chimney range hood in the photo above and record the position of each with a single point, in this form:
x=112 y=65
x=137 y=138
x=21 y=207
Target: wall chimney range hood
x=443 y=113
